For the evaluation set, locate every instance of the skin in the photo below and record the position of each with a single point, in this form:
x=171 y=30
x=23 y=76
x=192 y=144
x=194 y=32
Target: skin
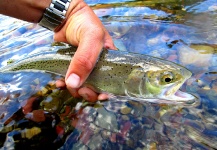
x=89 y=39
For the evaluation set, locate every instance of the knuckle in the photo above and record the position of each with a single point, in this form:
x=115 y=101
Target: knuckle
x=100 y=33
x=84 y=63
x=97 y=33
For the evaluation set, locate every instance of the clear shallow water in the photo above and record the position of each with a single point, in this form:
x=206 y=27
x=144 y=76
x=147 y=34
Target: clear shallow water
x=179 y=31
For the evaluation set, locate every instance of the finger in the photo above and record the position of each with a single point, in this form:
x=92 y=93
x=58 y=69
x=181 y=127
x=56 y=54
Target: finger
x=103 y=96
x=74 y=92
x=60 y=83
x=84 y=59
x=109 y=44
x=60 y=36
x=88 y=94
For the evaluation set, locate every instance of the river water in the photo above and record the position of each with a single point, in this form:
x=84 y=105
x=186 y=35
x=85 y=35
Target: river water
x=181 y=31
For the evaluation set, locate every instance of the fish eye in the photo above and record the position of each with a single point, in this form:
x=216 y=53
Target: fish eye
x=167 y=77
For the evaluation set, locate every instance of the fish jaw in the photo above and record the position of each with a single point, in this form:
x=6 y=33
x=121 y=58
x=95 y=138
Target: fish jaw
x=173 y=93
x=178 y=96
x=183 y=96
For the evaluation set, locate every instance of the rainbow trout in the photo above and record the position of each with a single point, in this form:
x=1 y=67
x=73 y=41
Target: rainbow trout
x=118 y=72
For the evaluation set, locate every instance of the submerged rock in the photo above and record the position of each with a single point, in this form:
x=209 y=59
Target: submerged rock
x=106 y=120
x=190 y=56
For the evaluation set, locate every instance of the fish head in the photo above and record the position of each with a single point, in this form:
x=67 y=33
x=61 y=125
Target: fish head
x=158 y=80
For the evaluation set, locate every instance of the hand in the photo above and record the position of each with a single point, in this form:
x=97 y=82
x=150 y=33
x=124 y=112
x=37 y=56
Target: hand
x=83 y=29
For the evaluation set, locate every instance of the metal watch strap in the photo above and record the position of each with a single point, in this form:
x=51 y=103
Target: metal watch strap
x=54 y=15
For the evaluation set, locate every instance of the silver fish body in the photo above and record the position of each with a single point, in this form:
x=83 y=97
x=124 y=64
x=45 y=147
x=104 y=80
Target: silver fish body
x=119 y=73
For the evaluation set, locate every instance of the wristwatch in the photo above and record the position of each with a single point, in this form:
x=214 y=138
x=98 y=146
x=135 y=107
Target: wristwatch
x=54 y=16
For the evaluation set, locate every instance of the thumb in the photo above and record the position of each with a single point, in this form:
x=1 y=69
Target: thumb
x=83 y=61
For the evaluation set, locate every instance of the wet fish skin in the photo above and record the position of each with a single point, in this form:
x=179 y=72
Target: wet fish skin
x=119 y=73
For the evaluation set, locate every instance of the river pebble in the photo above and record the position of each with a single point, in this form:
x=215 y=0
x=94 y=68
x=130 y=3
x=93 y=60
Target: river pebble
x=106 y=120
x=126 y=110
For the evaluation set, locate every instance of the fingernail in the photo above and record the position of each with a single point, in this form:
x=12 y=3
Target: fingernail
x=103 y=96
x=73 y=81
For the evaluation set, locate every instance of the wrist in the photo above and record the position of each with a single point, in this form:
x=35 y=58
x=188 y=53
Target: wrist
x=56 y=14
x=74 y=7
x=28 y=10
x=39 y=6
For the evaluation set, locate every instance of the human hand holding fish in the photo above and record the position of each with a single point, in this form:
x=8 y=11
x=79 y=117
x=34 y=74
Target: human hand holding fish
x=81 y=27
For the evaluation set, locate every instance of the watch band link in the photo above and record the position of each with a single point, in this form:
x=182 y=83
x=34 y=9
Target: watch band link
x=54 y=15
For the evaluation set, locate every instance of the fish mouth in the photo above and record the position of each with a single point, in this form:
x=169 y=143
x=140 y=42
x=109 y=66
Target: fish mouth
x=183 y=96
x=172 y=93
x=179 y=97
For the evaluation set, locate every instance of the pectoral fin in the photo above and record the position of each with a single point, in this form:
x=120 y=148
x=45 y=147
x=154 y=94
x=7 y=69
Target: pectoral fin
x=133 y=82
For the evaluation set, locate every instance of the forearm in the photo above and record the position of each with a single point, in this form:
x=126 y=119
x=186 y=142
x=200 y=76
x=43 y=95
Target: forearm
x=28 y=10
x=32 y=10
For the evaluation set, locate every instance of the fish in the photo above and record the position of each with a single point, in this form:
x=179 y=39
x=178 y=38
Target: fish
x=117 y=72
